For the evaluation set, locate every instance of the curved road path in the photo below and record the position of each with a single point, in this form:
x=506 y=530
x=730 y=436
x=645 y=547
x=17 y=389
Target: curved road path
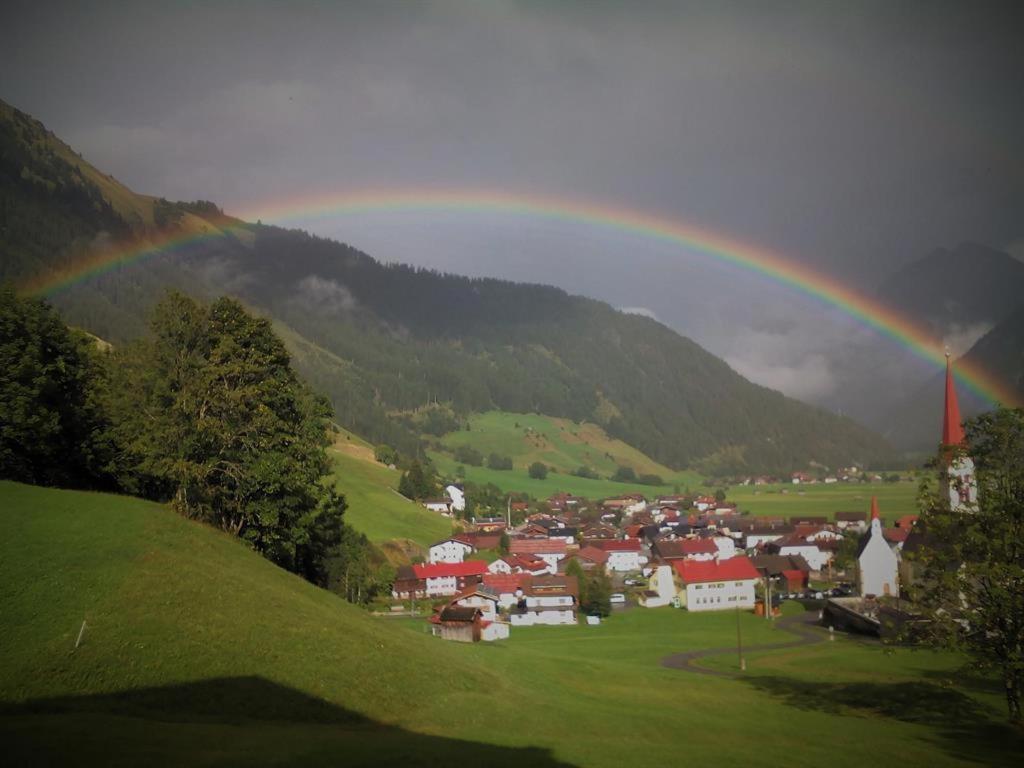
x=799 y=625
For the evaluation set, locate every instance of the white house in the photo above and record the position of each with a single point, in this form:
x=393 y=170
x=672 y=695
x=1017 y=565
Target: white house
x=726 y=547
x=709 y=585
x=450 y=550
x=482 y=597
x=438 y=505
x=457 y=496
x=546 y=600
x=877 y=564
x=757 y=537
x=794 y=544
x=661 y=588
x=623 y=555
x=443 y=579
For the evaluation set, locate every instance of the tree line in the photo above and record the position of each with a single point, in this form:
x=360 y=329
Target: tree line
x=205 y=413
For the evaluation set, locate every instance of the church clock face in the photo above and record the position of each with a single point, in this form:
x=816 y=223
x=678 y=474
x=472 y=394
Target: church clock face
x=963 y=489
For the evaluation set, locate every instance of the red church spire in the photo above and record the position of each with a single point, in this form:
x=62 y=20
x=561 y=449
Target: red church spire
x=874 y=508
x=952 y=432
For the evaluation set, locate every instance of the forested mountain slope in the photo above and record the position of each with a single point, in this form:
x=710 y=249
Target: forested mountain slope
x=385 y=340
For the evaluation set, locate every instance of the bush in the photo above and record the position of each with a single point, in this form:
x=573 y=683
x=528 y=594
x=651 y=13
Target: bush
x=467 y=454
x=586 y=472
x=385 y=454
x=624 y=475
x=497 y=461
x=538 y=471
x=650 y=480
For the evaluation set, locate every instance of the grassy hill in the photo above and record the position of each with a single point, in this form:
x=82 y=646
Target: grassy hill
x=198 y=651
x=559 y=443
x=375 y=507
x=562 y=445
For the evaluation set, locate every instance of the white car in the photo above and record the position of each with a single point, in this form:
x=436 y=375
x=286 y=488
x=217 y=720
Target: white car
x=618 y=598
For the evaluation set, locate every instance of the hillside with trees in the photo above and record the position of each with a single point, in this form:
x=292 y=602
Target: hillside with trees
x=384 y=342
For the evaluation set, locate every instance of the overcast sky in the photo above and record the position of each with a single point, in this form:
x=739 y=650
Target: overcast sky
x=853 y=136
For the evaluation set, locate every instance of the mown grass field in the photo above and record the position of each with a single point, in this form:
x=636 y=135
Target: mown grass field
x=787 y=500
x=558 y=443
x=377 y=509
x=197 y=651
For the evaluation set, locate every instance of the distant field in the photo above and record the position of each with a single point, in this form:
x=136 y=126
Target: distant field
x=376 y=508
x=894 y=499
x=519 y=480
x=198 y=651
x=558 y=443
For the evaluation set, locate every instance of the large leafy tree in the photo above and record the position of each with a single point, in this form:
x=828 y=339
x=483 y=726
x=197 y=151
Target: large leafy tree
x=49 y=420
x=971 y=587
x=209 y=413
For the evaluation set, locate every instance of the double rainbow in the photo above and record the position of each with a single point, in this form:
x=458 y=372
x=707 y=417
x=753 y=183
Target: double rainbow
x=756 y=259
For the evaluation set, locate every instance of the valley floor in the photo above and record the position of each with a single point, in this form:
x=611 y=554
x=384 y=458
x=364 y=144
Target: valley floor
x=199 y=652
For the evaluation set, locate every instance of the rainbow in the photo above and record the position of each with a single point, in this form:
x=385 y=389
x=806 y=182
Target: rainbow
x=756 y=259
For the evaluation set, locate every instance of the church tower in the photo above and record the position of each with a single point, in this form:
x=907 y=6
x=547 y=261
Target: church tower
x=957 y=466
x=877 y=563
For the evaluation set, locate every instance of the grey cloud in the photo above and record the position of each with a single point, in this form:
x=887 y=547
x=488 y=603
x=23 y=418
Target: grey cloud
x=329 y=296
x=849 y=137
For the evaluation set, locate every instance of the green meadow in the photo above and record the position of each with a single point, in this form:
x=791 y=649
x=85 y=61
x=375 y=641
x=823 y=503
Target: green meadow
x=198 y=651
x=562 y=445
x=787 y=500
x=375 y=507
x=559 y=443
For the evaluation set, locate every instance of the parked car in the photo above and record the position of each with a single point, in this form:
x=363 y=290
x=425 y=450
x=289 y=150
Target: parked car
x=633 y=583
x=618 y=599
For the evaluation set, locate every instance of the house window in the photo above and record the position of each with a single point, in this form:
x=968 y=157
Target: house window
x=739 y=583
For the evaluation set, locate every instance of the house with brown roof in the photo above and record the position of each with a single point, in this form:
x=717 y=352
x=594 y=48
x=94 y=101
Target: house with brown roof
x=454 y=549
x=466 y=625
x=547 y=600
x=589 y=558
x=790 y=571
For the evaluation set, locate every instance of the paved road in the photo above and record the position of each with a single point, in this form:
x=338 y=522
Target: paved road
x=799 y=625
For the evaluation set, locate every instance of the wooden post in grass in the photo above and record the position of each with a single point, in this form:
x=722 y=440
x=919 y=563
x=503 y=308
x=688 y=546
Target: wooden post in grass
x=80 y=633
x=739 y=642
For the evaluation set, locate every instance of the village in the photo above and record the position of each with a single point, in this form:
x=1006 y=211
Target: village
x=691 y=552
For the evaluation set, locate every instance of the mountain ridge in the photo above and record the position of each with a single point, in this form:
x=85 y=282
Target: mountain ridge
x=400 y=337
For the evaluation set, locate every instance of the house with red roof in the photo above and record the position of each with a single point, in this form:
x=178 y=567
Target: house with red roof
x=623 y=554
x=716 y=585
x=510 y=564
x=590 y=559
x=698 y=549
x=437 y=579
x=507 y=586
x=551 y=551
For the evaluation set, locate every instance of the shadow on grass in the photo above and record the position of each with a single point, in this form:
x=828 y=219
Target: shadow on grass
x=240 y=720
x=960 y=725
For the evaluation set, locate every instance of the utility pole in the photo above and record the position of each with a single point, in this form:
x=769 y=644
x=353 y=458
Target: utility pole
x=739 y=642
